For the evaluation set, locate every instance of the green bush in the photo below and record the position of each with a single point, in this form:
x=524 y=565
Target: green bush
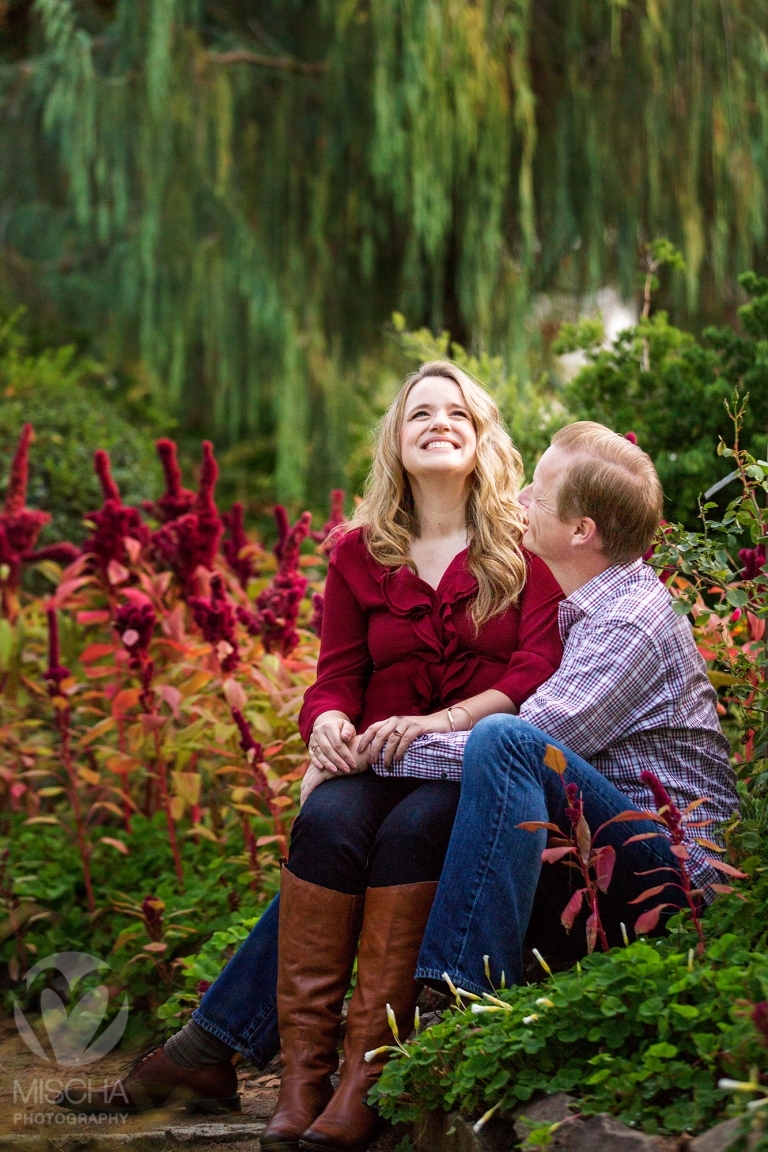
x=73 y=405
x=676 y=405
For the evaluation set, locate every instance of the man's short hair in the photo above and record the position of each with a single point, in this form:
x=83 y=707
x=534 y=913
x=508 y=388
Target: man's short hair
x=613 y=482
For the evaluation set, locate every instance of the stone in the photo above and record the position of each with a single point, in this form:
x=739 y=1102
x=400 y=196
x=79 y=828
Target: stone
x=721 y=1137
x=550 y=1110
x=453 y=1133
x=604 y=1133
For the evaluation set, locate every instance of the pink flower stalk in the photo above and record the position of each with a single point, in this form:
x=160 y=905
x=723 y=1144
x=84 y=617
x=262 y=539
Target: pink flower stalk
x=753 y=560
x=278 y=604
x=316 y=623
x=336 y=518
x=665 y=806
x=56 y=672
x=575 y=806
x=234 y=547
x=215 y=617
x=252 y=748
x=631 y=437
x=176 y=501
x=19 y=526
x=113 y=521
x=191 y=541
x=135 y=624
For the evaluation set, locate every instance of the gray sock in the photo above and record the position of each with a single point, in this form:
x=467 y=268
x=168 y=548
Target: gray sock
x=193 y=1047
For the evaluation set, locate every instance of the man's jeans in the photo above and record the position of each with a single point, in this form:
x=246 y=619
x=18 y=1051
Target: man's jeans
x=485 y=899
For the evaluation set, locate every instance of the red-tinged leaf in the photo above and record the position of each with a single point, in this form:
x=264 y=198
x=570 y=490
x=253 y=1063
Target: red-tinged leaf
x=117 y=573
x=172 y=697
x=591 y=933
x=698 y=824
x=650 y=892
x=680 y=851
x=709 y=845
x=694 y=804
x=151 y=723
x=535 y=825
x=756 y=626
x=653 y=871
x=155 y=946
x=647 y=921
x=728 y=869
x=552 y=855
x=583 y=839
x=273 y=749
x=629 y=816
x=604 y=862
x=263 y=840
x=555 y=759
x=95 y=652
x=97 y=617
x=721 y=889
x=99 y=671
x=572 y=909
x=133 y=548
x=643 y=836
x=128 y=698
x=114 y=843
x=65 y=590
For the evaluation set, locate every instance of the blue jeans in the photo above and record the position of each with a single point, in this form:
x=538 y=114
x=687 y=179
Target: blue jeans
x=489 y=900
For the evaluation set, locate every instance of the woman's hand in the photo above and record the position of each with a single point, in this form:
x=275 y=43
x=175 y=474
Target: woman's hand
x=312 y=777
x=395 y=735
x=329 y=743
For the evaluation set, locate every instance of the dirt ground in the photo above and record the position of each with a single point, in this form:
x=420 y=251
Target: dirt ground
x=28 y=1086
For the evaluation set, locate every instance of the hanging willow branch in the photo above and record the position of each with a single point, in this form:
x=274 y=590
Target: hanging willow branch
x=278 y=63
x=243 y=243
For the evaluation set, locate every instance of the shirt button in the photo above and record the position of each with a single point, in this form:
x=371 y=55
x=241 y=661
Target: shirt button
x=443 y=775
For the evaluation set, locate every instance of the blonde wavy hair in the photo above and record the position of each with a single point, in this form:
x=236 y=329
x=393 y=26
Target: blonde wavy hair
x=495 y=518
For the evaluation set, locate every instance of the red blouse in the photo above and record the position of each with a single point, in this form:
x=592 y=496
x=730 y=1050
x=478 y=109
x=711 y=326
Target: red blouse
x=394 y=646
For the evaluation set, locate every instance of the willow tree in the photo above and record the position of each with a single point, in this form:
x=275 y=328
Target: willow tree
x=233 y=205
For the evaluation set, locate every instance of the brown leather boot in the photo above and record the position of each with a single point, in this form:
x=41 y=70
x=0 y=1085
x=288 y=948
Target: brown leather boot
x=318 y=937
x=154 y=1081
x=393 y=926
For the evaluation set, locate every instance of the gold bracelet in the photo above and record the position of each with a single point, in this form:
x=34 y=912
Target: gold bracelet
x=450 y=720
x=471 y=717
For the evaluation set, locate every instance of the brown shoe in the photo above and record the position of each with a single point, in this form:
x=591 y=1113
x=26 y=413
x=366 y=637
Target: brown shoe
x=393 y=927
x=154 y=1081
x=318 y=937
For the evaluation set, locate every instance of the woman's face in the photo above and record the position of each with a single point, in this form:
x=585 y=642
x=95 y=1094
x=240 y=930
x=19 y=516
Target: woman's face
x=437 y=437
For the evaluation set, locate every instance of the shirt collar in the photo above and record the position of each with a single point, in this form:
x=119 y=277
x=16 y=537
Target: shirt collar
x=592 y=596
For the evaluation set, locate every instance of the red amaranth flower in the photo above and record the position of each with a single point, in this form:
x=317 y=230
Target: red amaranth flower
x=278 y=604
x=665 y=805
x=252 y=748
x=113 y=522
x=215 y=617
x=56 y=672
x=631 y=436
x=336 y=517
x=753 y=560
x=316 y=623
x=135 y=624
x=191 y=541
x=176 y=501
x=238 y=551
x=575 y=806
x=19 y=526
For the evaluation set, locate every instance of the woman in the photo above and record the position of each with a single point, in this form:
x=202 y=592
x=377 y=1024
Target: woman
x=434 y=618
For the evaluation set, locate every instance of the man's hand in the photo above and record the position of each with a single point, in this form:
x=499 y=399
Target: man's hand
x=395 y=735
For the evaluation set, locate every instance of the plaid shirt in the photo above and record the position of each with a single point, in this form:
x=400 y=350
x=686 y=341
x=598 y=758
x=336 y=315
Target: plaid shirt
x=631 y=693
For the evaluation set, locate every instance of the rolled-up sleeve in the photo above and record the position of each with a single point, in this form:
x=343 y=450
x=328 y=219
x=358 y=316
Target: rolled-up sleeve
x=603 y=690
x=540 y=648
x=344 y=667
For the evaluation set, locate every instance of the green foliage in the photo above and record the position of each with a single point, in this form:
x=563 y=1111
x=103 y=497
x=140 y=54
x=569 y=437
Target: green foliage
x=235 y=205
x=71 y=402
x=642 y=1032
x=677 y=404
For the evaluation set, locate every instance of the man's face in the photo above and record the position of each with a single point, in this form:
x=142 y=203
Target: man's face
x=547 y=536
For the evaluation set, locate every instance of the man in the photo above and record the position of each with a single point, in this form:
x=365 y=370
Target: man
x=631 y=694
